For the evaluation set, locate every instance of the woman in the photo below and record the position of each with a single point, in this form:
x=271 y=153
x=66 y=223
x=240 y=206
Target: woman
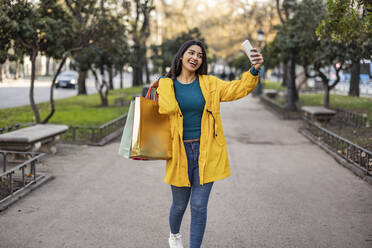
x=199 y=156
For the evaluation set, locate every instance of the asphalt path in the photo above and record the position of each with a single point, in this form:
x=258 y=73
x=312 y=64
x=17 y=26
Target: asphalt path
x=284 y=191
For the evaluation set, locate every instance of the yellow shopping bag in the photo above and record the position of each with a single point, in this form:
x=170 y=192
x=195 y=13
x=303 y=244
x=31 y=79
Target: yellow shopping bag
x=151 y=138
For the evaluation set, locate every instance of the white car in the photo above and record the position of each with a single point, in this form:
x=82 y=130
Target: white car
x=67 y=79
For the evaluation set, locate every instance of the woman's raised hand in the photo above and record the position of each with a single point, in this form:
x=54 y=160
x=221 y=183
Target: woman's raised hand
x=155 y=84
x=256 y=59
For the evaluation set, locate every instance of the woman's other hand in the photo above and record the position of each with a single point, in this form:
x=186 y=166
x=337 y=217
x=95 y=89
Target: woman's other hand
x=256 y=59
x=155 y=84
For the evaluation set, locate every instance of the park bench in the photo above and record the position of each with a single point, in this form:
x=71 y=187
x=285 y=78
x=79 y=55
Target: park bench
x=40 y=137
x=318 y=114
x=270 y=93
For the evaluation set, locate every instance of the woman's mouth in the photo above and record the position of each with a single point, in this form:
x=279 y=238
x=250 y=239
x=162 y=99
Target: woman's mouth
x=193 y=64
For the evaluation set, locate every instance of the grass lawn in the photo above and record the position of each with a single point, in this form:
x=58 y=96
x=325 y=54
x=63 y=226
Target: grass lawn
x=361 y=105
x=76 y=110
x=273 y=85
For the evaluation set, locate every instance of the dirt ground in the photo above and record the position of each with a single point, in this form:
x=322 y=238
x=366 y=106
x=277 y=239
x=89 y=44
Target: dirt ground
x=359 y=136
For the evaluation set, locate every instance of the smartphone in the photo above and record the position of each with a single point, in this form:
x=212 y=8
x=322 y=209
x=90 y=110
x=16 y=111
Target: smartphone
x=247 y=48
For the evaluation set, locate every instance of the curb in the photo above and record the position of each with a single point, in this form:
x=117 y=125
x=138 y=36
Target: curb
x=279 y=110
x=23 y=192
x=357 y=171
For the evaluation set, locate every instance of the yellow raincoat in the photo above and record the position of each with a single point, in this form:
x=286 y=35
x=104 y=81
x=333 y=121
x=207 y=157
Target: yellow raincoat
x=213 y=161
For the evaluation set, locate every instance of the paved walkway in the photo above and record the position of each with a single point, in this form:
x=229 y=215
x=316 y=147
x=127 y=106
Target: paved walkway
x=284 y=192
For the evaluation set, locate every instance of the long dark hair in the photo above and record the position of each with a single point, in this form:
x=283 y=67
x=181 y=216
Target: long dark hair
x=177 y=63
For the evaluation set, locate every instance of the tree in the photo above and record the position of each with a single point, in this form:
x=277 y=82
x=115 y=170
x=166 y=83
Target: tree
x=28 y=28
x=284 y=49
x=271 y=53
x=60 y=40
x=312 y=53
x=288 y=7
x=5 y=36
x=350 y=22
x=122 y=56
x=52 y=28
x=81 y=63
x=297 y=36
x=85 y=18
x=140 y=32
x=241 y=63
x=107 y=53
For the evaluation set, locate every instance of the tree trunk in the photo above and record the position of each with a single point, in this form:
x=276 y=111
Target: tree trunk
x=137 y=76
x=31 y=95
x=23 y=70
x=1 y=73
x=16 y=70
x=354 y=78
x=6 y=69
x=285 y=74
x=47 y=66
x=147 y=72
x=326 y=94
x=105 y=102
x=121 y=78
x=52 y=105
x=291 y=90
x=111 y=81
x=302 y=80
x=82 y=89
x=103 y=95
x=99 y=87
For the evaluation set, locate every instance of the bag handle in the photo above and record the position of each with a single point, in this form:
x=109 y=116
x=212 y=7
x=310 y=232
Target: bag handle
x=149 y=94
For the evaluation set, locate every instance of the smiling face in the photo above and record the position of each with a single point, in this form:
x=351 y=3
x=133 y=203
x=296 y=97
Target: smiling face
x=192 y=58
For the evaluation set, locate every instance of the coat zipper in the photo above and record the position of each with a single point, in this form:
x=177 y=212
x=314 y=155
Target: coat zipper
x=214 y=123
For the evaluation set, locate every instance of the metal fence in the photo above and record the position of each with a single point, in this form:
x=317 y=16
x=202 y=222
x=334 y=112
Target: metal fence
x=16 y=126
x=358 y=156
x=350 y=118
x=10 y=128
x=93 y=135
x=15 y=179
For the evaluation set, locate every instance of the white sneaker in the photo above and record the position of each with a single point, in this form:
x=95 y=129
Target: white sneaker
x=175 y=240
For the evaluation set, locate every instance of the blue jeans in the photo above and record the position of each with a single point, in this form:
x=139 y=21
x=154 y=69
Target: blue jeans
x=199 y=199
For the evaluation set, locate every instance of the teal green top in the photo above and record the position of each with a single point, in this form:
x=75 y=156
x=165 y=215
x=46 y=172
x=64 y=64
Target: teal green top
x=191 y=101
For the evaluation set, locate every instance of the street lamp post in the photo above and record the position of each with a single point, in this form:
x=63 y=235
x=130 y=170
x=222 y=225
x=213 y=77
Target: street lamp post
x=260 y=39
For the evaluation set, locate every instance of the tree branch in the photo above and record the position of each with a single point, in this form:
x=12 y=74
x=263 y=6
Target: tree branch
x=74 y=12
x=279 y=12
x=337 y=75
